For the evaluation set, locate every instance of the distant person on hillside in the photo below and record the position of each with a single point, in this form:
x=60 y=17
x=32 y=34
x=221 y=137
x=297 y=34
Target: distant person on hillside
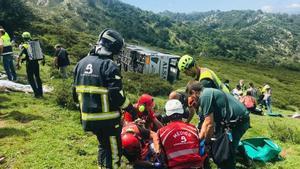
x=32 y=64
x=205 y=76
x=250 y=102
x=61 y=60
x=267 y=91
x=243 y=86
x=237 y=92
x=6 y=51
x=253 y=90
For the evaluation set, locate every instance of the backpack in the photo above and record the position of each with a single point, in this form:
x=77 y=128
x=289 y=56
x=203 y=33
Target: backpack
x=34 y=50
x=249 y=102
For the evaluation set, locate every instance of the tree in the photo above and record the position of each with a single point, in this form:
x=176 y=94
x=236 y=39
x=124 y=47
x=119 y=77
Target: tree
x=14 y=15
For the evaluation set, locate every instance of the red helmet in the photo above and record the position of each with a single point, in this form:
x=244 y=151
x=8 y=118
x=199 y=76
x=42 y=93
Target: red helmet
x=130 y=143
x=146 y=100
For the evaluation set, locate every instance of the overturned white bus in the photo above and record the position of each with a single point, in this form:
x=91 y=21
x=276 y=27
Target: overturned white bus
x=142 y=60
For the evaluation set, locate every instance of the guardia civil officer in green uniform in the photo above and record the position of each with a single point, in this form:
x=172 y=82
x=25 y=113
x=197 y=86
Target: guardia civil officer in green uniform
x=213 y=106
x=98 y=88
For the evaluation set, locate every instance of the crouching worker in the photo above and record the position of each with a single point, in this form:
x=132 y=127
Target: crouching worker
x=250 y=103
x=179 y=140
x=221 y=111
x=135 y=139
x=183 y=98
x=145 y=107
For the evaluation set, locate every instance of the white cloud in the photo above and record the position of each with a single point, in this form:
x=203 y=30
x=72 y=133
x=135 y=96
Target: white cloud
x=267 y=8
x=294 y=5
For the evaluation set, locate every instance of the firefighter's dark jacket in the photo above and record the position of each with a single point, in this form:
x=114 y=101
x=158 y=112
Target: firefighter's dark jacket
x=98 y=88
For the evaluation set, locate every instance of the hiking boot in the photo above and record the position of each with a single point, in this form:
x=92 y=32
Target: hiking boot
x=2 y=159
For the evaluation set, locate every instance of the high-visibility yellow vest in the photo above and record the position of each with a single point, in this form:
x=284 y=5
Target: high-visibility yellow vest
x=209 y=74
x=6 y=44
x=6 y=40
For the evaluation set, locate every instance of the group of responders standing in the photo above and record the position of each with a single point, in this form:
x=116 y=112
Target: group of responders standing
x=99 y=91
x=31 y=53
x=254 y=99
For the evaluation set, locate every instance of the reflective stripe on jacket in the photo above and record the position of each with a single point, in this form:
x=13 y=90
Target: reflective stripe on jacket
x=7 y=48
x=105 y=114
x=209 y=74
x=180 y=142
x=98 y=85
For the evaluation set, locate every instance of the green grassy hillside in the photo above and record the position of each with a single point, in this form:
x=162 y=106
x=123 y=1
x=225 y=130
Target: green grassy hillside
x=40 y=134
x=284 y=82
x=243 y=35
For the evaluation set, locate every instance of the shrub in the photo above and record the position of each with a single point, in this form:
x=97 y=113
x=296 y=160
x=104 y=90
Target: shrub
x=63 y=94
x=137 y=84
x=284 y=133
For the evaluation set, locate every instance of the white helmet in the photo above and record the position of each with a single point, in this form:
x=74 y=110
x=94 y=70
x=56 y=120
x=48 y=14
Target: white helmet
x=173 y=106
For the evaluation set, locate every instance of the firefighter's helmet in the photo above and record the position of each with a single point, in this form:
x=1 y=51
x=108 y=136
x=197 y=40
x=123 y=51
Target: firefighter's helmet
x=130 y=143
x=111 y=40
x=26 y=35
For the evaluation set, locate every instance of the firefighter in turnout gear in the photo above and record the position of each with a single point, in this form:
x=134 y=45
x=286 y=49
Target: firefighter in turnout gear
x=98 y=89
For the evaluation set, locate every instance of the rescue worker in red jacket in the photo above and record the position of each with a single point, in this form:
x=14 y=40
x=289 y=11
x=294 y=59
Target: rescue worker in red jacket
x=145 y=107
x=135 y=146
x=179 y=140
x=98 y=89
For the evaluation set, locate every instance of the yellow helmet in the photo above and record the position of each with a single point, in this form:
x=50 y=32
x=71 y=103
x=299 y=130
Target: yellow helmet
x=26 y=35
x=185 y=62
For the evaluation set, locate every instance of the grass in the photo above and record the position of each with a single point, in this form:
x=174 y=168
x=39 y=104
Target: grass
x=36 y=133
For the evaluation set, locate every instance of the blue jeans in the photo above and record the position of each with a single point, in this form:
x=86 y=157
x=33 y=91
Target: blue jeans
x=9 y=68
x=268 y=105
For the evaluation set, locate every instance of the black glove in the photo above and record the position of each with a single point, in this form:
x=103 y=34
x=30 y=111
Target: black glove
x=132 y=110
x=43 y=62
x=22 y=60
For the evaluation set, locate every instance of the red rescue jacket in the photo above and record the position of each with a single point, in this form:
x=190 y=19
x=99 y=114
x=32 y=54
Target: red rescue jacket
x=132 y=128
x=180 y=143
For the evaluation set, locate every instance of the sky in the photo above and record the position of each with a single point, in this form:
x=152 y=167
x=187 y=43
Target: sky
x=188 y=6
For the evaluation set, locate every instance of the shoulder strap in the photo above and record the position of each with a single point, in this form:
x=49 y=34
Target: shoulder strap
x=227 y=109
x=162 y=147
